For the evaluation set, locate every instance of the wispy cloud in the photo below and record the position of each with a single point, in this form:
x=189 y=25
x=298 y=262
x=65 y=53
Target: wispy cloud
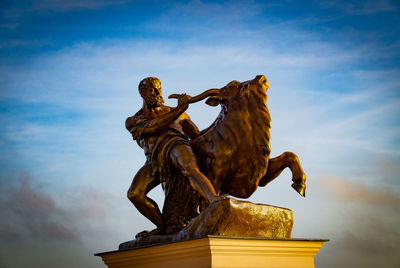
x=20 y=43
x=110 y=66
x=15 y=9
x=359 y=192
x=8 y=25
x=361 y=7
x=31 y=214
x=365 y=239
x=97 y=82
x=37 y=221
x=74 y=4
x=369 y=223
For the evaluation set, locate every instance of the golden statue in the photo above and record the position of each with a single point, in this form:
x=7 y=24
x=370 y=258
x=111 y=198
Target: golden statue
x=196 y=169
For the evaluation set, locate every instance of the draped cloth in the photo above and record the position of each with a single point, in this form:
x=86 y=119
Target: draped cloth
x=181 y=202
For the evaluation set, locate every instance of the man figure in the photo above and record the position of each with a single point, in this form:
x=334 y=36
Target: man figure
x=163 y=132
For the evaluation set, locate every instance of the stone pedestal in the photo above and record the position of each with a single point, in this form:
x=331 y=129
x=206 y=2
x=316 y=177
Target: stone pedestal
x=219 y=251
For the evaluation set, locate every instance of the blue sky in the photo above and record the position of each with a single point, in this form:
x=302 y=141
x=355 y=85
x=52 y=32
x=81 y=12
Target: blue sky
x=70 y=70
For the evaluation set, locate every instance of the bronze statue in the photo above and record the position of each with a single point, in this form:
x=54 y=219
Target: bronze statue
x=231 y=157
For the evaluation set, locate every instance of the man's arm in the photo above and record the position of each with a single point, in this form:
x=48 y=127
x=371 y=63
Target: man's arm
x=138 y=128
x=189 y=128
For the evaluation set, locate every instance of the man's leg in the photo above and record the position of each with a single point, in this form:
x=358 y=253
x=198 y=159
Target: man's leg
x=142 y=183
x=184 y=160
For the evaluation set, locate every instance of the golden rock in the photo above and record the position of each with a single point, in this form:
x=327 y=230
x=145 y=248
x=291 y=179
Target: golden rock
x=229 y=218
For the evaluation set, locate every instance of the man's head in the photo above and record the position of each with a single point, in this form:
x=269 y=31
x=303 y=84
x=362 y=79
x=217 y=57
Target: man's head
x=150 y=90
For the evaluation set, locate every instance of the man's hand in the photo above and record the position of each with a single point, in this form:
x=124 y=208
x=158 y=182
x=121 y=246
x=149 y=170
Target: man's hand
x=183 y=101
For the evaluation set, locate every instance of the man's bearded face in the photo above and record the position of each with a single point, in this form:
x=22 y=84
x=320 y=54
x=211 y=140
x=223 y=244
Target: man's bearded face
x=152 y=95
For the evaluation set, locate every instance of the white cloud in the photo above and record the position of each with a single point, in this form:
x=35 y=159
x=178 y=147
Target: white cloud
x=98 y=81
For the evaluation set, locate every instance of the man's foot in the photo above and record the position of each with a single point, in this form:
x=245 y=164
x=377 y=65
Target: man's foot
x=148 y=233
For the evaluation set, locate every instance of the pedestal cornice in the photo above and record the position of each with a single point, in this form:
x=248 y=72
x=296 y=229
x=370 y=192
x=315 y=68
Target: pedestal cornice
x=217 y=251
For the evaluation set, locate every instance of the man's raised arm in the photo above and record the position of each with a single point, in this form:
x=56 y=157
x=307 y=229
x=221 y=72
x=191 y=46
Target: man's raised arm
x=138 y=127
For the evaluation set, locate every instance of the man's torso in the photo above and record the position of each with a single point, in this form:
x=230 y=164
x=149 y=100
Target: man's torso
x=150 y=141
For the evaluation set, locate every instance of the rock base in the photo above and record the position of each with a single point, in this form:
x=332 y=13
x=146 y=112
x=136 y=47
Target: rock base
x=231 y=218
